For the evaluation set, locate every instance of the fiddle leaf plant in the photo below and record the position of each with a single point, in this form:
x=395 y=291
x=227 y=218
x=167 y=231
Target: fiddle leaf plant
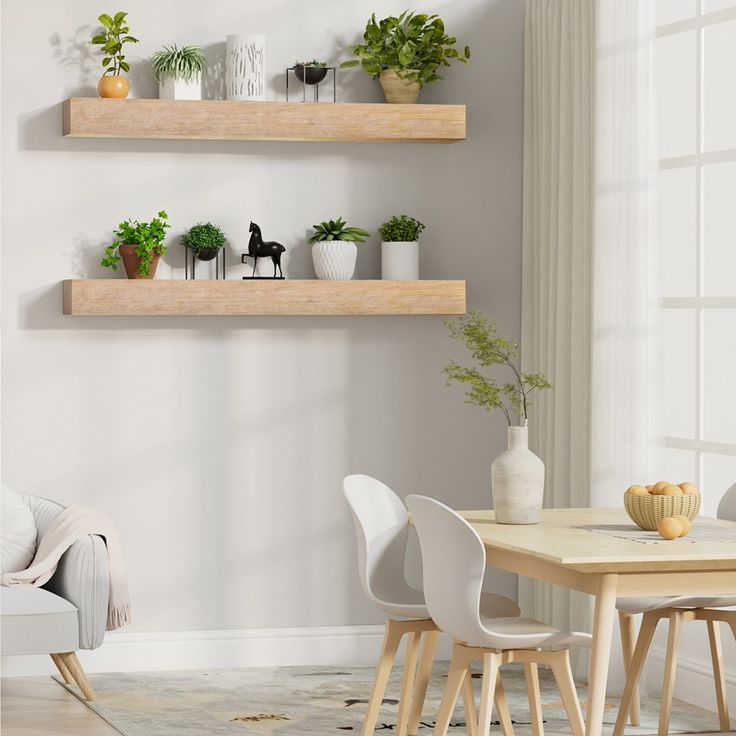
x=337 y=230
x=489 y=349
x=148 y=237
x=115 y=34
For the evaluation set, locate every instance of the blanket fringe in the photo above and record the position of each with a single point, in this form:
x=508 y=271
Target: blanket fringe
x=118 y=616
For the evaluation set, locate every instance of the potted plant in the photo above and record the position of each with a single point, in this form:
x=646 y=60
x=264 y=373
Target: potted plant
x=140 y=245
x=205 y=239
x=310 y=72
x=400 y=248
x=178 y=72
x=115 y=34
x=517 y=476
x=405 y=52
x=333 y=249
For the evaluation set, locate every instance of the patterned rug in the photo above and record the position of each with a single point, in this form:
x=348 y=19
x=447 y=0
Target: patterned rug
x=318 y=701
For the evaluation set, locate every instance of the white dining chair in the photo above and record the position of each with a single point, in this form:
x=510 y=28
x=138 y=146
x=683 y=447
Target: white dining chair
x=382 y=526
x=454 y=562
x=678 y=610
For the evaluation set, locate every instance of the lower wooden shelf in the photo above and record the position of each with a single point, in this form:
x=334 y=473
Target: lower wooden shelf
x=120 y=297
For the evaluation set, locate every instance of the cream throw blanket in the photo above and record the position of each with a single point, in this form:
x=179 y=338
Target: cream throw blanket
x=74 y=523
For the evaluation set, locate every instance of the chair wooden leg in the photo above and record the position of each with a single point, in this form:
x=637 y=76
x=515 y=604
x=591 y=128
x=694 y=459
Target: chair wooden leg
x=471 y=715
x=566 y=684
x=491 y=664
x=70 y=661
x=670 y=668
x=646 y=634
x=420 y=689
x=455 y=679
x=504 y=715
x=407 y=684
x=391 y=641
x=719 y=674
x=531 y=674
x=628 y=641
x=63 y=671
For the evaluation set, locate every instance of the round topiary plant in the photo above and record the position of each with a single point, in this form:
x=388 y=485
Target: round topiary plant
x=205 y=239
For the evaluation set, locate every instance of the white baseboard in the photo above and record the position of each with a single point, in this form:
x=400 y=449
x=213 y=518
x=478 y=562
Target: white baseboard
x=195 y=650
x=694 y=682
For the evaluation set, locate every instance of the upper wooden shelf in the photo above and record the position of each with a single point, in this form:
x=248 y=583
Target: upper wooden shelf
x=120 y=297
x=92 y=117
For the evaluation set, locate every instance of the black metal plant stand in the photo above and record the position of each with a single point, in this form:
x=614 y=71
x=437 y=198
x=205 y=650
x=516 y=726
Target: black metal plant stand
x=190 y=269
x=305 y=84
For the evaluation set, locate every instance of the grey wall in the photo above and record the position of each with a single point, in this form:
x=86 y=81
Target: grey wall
x=219 y=444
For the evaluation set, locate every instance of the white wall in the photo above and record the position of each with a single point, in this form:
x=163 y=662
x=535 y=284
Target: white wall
x=219 y=444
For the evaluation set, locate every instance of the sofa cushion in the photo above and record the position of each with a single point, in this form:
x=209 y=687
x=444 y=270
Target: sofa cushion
x=17 y=531
x=35 y=621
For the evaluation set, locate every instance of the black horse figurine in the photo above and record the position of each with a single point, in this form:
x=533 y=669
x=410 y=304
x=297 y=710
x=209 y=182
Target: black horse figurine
x=258 y=249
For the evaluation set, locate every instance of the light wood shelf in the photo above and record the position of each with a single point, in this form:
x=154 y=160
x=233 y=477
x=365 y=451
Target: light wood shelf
x=120 y=297
x=92 y=117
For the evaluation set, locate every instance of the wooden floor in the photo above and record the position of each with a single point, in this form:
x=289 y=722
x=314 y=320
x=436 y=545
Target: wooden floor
x=37 y=706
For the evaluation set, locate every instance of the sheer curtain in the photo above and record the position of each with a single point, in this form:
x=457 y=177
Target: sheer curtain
x=587 y=258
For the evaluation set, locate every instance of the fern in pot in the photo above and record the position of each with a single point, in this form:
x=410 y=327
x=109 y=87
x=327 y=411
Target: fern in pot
x=179 y=71
x=400 y=248
x=405 y=52
x=333 y=249
x=139 y=245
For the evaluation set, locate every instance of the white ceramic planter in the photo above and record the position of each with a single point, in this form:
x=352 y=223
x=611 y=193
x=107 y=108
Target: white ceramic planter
x=245 y=67
x=334 y=260
x=179 y=89
x=400 y=260
x=517 y=477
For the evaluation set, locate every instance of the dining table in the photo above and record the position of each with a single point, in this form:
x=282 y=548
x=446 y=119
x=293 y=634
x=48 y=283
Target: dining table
x=600 y=551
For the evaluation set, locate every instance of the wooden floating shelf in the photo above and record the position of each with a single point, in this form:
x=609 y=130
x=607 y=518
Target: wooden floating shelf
x=120 y=297
x=92 y=117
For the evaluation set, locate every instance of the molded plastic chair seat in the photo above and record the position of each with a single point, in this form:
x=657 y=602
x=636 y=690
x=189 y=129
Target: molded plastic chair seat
x=491 y=605
x=525 y=633
x=643 y=605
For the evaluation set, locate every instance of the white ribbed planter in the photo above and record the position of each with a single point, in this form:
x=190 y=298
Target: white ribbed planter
x=245 y=70
x=517 y=477
x=334 y=260
x=179 y=89
x=400 y=260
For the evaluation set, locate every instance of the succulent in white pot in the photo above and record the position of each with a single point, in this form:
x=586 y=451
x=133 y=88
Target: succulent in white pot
x=333 y=249
x=400 y=248
x=178 y=72
x=517 y=475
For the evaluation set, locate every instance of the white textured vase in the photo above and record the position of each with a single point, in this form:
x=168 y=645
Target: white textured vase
x=517 y=477
x=400 y=260
x=245 y=67
x=334 y=260
x=180 y=89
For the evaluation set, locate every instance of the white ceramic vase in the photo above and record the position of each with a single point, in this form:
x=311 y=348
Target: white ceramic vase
x=245 y=67
x=400 y=260
x=334 y=260
x=517 y=477
x=180 y=89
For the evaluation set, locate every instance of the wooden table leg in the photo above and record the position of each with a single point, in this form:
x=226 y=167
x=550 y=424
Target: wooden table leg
x=605 y=613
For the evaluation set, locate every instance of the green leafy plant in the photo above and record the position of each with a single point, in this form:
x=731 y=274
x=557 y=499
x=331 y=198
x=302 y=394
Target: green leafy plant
x=401 y=229
x=204 y=236
x=415 y=45
x=490 y=349
x=115 y=33
x=337 y=230
x=147 y=236
x=314 y=62
x=186 y=63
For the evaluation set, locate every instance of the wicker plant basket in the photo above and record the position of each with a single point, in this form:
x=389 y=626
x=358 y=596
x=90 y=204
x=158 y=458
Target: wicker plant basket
x=646 y=511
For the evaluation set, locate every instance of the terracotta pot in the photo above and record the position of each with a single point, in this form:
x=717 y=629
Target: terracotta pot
x=131 y=262
x=113 y=87
x=398 y=90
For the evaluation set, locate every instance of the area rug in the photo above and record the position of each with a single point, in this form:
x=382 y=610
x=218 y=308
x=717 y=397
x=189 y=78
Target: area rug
x=318 y=701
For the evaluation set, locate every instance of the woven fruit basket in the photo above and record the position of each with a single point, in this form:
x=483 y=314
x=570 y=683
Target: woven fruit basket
x=647 y=511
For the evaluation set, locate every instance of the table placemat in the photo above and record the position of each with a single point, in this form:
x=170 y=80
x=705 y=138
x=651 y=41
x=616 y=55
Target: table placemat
x=700 y=532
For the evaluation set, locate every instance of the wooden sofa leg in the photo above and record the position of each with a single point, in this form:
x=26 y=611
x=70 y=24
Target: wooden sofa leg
x=63 y=671
x=70 y=661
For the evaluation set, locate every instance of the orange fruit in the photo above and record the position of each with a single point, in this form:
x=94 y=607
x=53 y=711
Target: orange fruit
x=637 y=491
x=689 y=489
x=669 y=528
x=659 y=486
x=649 y=488
x=670 y=490
x=686 y=524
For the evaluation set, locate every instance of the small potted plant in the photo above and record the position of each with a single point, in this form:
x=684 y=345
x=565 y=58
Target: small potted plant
x=178 y=72
x=517 y=475
x=139 y=245
x=310 y=72
x=115 y=34
x=405 y=52
x=400 y=248
x=333 y=249
x=205 y=240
